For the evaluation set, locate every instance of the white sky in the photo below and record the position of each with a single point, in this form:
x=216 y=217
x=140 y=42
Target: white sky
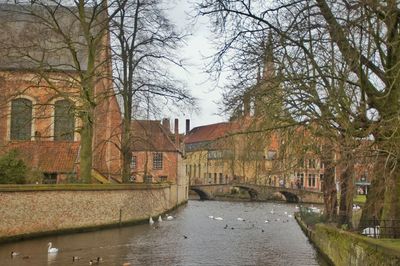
x=197 y=47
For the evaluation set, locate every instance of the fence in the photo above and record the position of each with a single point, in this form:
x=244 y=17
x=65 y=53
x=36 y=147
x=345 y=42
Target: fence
x=380 y=228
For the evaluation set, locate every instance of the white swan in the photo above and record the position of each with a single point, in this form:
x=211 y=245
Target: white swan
x=151 y=220
x=218 y=218
x=169 y=218
x=240 y=219
x=13 y=253
x=50 y=249
x=272 y=211
x=211 y=217
x=159 y=218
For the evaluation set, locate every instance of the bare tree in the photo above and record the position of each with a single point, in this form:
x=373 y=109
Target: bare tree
x=145 y=47
x=338 y=63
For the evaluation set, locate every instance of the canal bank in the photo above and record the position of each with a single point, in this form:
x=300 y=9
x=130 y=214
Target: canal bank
x=28 y=211
x=346 y=248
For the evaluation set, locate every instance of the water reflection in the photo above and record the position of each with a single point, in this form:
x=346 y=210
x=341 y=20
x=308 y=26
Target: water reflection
x=207 y=242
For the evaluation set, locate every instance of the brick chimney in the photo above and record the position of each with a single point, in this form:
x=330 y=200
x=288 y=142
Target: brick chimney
x=187 y=126
x=176 y=129
x=166 y=124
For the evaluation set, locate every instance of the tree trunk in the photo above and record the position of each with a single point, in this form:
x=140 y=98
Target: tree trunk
x=376 y=194
x=86 y=147
x=391 y=204
x=346 y=191
x=126 y=150
x=329 y=185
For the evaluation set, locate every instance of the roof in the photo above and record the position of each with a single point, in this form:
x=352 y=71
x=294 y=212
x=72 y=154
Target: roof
x=208 y=132
x=26 y=42
x=150 y=135
x=48 y=156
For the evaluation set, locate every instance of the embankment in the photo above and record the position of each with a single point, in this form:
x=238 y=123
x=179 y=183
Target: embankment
x=346 y=248
x=33 y=210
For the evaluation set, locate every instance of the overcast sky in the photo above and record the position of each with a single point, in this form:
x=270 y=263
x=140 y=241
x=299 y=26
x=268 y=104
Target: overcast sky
x=197 y=47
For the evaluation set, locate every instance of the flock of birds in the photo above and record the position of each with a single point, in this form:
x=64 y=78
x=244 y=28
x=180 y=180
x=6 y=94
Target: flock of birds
x=53 y=251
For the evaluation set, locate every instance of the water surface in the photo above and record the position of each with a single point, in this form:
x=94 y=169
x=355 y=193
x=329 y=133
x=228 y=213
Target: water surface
x=191 y=238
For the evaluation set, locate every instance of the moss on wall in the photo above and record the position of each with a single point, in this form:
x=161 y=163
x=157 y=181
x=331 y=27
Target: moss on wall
x=346 y=248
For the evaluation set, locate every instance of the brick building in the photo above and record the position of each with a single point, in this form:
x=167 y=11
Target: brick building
x=40 y=100
x=156 y=154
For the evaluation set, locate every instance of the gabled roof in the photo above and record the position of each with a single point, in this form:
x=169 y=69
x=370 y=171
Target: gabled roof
x=48 y=156
x=208 y=132
x=150 y=135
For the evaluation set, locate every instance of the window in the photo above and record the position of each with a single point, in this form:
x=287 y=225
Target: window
x=157 y=160
x=148 y=179
x=133 y=162
x=50 y=178
x=221 y=178
x=300 y=180
x=163 y=178
x=199 y=171
x=311 y=180
x=21 y=119
x=311 y=163
x=64 y=120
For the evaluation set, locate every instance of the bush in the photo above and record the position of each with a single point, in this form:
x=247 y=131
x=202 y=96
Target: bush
x=12 y=169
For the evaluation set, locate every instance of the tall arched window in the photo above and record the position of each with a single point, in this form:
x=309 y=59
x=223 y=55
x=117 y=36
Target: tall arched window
x=21 y=119
x=64 y=120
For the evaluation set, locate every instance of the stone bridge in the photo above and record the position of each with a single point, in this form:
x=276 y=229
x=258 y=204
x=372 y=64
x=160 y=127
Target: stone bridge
x=258 y=192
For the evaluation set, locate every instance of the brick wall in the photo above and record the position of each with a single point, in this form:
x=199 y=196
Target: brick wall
x=40 y=209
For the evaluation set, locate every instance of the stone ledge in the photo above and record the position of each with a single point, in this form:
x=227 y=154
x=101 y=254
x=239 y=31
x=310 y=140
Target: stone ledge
x=81 y=187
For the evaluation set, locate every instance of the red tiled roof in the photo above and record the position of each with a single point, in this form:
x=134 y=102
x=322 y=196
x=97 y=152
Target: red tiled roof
x=47 y=156
x=150 y=135
x=208 y=132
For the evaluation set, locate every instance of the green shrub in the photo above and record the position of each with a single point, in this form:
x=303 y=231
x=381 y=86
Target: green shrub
x=12 y=169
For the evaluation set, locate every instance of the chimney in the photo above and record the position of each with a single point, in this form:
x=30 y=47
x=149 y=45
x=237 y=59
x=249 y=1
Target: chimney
x=176 y=128
x=166 y=125
x=187 y=126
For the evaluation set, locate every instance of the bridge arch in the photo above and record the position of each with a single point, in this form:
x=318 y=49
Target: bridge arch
x=202 y=194
x=290 y=197
x=252 y=192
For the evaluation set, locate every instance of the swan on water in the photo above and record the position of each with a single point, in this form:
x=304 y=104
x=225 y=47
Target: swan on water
x=218 y=218
x=272 y=211
x=240 y=219
x=290 y=216
x=13 y=253
x=169 y=218
x=50 y=249
x=151 y=220
x=285 y=213
x=211 y=217
x=159 y=218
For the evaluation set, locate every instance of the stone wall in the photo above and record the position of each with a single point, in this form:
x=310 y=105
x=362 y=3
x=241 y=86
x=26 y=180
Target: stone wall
x=346 y=248
x=36 y=210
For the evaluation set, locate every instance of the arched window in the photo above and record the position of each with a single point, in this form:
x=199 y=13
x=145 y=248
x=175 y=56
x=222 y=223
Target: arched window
x=64 y=120
x=21 y=119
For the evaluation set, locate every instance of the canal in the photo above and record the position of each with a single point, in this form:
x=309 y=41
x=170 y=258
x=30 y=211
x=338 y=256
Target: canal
x=191 y=238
